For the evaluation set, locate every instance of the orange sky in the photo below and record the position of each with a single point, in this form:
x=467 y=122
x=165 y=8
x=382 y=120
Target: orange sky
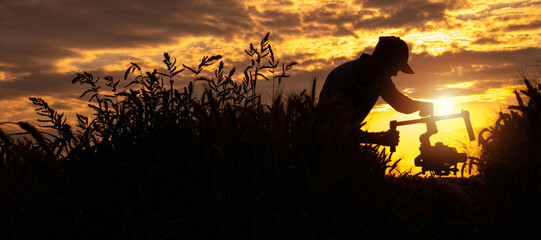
x=467 y=54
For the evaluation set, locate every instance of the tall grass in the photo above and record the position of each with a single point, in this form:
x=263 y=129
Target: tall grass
x=510 y=165
x=157 y=162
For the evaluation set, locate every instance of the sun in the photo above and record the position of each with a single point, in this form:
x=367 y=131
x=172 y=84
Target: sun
x=444 y=107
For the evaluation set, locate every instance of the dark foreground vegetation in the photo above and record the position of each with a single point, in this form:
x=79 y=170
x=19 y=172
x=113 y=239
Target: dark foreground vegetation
x=154 y=162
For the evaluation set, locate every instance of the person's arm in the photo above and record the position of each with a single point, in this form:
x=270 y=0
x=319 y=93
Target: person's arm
x=397 y=100
x=403 y=103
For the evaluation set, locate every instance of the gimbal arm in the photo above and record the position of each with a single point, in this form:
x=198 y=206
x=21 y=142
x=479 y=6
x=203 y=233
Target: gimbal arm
x=431 y=124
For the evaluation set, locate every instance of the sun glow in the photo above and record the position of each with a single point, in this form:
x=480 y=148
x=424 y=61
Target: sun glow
x=3 y=76
x=462 y=85
x=444 y=107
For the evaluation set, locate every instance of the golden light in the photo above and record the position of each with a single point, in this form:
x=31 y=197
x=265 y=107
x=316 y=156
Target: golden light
x=444 y=107
x=3 y=76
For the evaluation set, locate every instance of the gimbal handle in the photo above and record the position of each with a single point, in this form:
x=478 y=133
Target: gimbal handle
x=393 y=128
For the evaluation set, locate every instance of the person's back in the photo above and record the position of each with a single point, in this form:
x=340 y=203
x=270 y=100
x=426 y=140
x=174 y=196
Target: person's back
x=350 y=86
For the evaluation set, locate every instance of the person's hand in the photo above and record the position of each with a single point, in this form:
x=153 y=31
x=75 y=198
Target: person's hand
x=425 y=109
x=388 y=138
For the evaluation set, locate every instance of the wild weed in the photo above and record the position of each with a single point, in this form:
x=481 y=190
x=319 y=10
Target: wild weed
x=153 y=161
x=511 y=167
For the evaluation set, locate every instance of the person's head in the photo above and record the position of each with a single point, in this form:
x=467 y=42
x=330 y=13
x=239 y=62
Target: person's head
x=391 y=55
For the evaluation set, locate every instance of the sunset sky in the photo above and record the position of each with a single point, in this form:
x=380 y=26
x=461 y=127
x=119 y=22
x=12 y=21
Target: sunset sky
x=467 y=54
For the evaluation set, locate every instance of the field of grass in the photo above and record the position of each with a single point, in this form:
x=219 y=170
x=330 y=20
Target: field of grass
x=154 y=162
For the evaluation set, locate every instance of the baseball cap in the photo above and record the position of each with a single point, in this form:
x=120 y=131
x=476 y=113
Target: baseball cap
x=396 y=48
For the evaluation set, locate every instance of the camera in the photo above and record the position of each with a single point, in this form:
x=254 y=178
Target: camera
x=439 y=159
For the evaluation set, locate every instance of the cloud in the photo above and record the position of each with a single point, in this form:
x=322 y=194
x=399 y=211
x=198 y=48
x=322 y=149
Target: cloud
x=38 y=84
x=527 y=26
x=487 y=70
x=333 y=14
x=345 y=18
x=37 y=34
x=42 y=43
x=486 y=40
x=36 y=30
x=278 y=19
x=403 y=13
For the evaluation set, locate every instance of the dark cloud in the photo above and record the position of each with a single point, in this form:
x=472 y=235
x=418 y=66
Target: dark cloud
x=38 y=84
x=488 y=69
x=335 y=19
x=404 y=13
x=103 y=23
x=279 y=19
x=333 y=14
x=526 y=26
x=97 y=22
x=486 y=40
x=35 y=34
x=341 y=19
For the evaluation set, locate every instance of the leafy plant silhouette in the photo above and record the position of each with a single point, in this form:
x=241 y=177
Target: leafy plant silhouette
x=156 y=161
x=213 y=160
x=510 y=166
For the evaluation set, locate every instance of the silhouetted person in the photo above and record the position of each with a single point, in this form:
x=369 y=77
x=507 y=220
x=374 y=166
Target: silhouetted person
x=351 y=90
